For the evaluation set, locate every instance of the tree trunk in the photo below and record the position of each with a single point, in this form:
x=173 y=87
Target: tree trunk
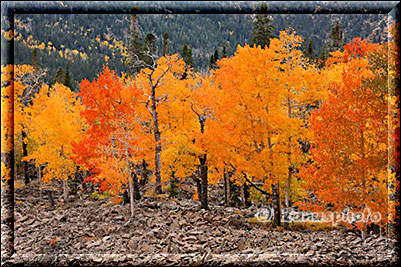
x=227 y=190
x=287 y=199
x=49 y=195
x=131 y=188
x=158 y=148
x=288 y=184
x=199 y=188
x=131 y=194
x=82 y=184
x=276 y=205
x=243 y=202
x=130 y=171
x=65 y=190
x=204 y=182
x=364 y=231
x=25 y=153
x=137 y=195
x=125 y=197
x=39 y=173
x=144 y=173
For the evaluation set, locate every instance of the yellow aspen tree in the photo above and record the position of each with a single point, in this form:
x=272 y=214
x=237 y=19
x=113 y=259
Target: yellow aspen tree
x=55 y=123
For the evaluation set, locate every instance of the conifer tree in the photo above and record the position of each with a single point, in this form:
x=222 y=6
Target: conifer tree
x=67 y=78
x=216 y=55
x=187 y=57
x=59 y=77
x=165 y=44
x=323 y=55
x=309 y=51
x=224 y=52
x=35 y=59
x=149 y=48
x=135 y=49
x=262 y=28
x=149 y=42
x=336 y=37
x=212 y=61
x=184 y=52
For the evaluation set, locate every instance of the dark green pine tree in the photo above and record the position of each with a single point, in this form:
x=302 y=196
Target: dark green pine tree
x=165 y=44
x=67 y=78
x=224 y=52
x=212 y=62
x=323 y=56
x=336 y=37
x=262 y=28
x=216 y=55
x=135 y=48
x=59 y=77
x=150 y=42
x=213 y=59
x=35 y=59
x=35 y=63
x=186 y=55
x=150 y=48
x=184 y=52
x=310 y=53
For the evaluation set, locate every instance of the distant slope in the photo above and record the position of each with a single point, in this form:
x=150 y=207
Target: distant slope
x=84 y=35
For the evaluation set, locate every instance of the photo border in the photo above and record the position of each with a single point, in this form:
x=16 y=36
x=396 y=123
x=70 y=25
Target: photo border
x=10 y=8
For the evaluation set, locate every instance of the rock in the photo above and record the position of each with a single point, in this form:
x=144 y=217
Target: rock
x=94 y=244
x=119 y=218
x=126 y=236
x=106 y=238
x=178 y=228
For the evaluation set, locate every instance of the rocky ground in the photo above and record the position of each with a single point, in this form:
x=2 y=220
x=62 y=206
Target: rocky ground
x=174 y=232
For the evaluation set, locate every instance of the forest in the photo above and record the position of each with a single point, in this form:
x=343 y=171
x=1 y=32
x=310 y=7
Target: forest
x=266 y=146
x=89 y=41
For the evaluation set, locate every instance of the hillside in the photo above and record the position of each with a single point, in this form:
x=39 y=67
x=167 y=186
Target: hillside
x=80 y=38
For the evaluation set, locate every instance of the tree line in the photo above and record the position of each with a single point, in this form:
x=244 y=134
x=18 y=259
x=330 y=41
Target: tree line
x=267 y=118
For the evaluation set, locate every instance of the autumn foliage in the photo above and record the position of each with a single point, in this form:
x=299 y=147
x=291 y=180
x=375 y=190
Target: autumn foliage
x=252 y=117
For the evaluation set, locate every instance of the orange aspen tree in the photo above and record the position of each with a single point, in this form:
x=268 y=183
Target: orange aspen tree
x=113 y=144
x=349 y=168
x=263 y=95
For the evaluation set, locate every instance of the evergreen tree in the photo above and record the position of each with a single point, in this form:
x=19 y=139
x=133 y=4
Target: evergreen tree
x=186 y=55
x=216 y=55
x=149 y=42
x=323 y=55
x=336 y=37
x=213 y=59
x=67 y=79
x=165 y=44
x=184 y=52
x=135 y=49
x=35 y=59
x=150 y=48
x=59 y=77
x=262 y=28
x=224 y=52
x=212 y=62
x=310 y=53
